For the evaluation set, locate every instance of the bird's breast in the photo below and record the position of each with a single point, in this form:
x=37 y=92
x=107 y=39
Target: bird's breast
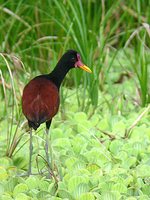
x=40 y=101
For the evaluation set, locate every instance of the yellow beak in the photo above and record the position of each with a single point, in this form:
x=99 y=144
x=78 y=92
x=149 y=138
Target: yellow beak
x=85 y=68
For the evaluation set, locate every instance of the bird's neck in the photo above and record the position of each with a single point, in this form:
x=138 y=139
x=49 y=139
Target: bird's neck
x=58 y=74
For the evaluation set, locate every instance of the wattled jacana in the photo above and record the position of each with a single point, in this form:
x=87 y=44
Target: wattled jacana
x=40 y=100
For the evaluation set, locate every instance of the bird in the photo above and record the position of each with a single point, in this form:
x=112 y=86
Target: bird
x=40 y=98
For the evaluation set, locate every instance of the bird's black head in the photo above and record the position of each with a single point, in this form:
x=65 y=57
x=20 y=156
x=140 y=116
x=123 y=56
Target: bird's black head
x=72 y=59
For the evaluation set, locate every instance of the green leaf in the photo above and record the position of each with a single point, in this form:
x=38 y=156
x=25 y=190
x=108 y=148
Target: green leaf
x=146 y=189
x=21 y=162
x=62 y=185
x=65 y=194
x=3 y=174
x=52 y=188
x=84 y=126
x=10 y=185
x=138 y=147
x=105 y=186
x=119 y=128
x=92 y=168
x=79 y=165
x=62 y=143
x=43 y=195
x=33 y=193
x=22 y=196
x=32 y=182
x=143 y=197
x=128 y=180
x=5 y=162
x=12 y=170
x=80 y=116
x=122 y=155
x=87 y=196
x=95 y=120
x=1 y=189
x=139 y=182
x=143 y=171
x=111 y=196
x=43 y=185
x=56 y=198
x=129 y=162
x=97 y=195
x=74 y=181
x=70 y=162
x=95 y=178
x=57 y=133
x=97 y=156
x=116 y=146
x=103 y=124
x=20 y=188
x=80 y=189
x=120 y=187
x=79 y=143
x=6 y=196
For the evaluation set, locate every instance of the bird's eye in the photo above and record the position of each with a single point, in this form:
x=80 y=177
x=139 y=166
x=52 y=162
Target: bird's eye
x=73 y=59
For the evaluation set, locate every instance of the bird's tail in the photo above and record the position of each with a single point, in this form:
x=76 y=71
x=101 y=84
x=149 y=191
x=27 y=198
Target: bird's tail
x=33 y=125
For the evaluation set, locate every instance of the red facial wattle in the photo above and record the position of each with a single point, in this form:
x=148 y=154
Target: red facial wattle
x=81 y=65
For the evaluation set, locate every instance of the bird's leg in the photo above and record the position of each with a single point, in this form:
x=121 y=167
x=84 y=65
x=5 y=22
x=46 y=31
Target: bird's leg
x=47 y=147
x=30 y=153
x=48 y=123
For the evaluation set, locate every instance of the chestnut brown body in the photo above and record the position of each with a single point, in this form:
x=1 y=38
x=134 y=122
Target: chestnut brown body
x=40 y=100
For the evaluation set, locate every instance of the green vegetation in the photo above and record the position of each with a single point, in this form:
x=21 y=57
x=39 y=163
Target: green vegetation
x=100 y=139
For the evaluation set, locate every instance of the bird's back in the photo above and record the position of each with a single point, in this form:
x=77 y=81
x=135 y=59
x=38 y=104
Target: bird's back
x=40 y=100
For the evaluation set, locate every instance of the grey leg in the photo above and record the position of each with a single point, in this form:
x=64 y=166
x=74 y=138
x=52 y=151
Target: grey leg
x=30 y=154
x=48 y=123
